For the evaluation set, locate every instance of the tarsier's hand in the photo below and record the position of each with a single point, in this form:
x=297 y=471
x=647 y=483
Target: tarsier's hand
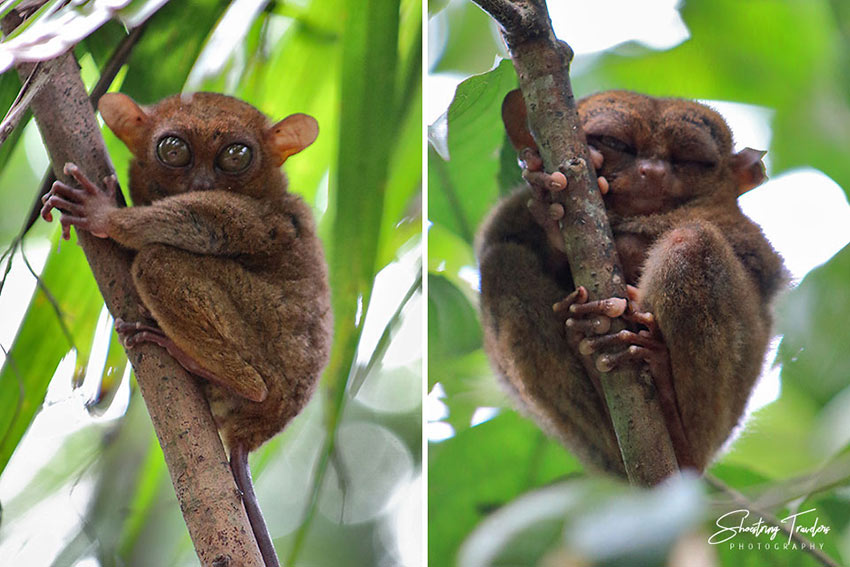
x=87 y=208
x=544 y=185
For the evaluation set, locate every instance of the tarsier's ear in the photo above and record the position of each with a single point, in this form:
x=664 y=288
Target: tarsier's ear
x=748 y=169
x=291 y=135
x=515 y=118
x=125 y=118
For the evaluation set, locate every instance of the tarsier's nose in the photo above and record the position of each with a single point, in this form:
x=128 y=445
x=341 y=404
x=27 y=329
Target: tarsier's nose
x=652 y=169
x=203 y=181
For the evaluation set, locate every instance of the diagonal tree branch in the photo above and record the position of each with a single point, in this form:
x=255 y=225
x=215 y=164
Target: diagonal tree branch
x=205 y=489
x=542 y=63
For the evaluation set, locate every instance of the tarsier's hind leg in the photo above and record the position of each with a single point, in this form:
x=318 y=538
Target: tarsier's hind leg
x=185 y=294
x=714 y=339
x=528 y=342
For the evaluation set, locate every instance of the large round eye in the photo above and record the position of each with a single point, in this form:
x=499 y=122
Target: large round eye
x=173 y=151
x=234 y=158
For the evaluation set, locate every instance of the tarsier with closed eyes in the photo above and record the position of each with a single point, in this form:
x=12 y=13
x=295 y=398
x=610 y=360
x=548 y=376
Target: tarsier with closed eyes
x=227 y=263
x=701 y=279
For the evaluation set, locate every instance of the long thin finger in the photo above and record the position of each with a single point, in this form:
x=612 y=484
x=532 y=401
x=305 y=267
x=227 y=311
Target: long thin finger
x=111 y=184
x=598 y=325
x=607 y=362
x=642 y=318
x=611 y=307
x=577 y=296
x=46 y=214
x=64 y=205
x=590 y=345
x=596 y=157
x=531 y=158
x=70 y=220
x=603 y=185
x=545 y=181
x=75 y=172
x=65 y=190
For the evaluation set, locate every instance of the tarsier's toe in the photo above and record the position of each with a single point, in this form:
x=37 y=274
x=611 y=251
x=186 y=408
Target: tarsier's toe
x=611 y=307
x=530 y=158
x=544 y=183
x=579 y=295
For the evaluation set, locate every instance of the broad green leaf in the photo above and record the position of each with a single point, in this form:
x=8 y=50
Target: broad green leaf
x=473 y=38
x=453 y=328
x=164 y=55
x=40 y=343
x=479 y=470
x=462 y=189
x=813 y=320
x=469 y=383
x=776 y=441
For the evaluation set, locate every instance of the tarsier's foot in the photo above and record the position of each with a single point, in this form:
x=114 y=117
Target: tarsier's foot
x=594 y=318
x=133 y=333
x=86 y=207
x=588 y=323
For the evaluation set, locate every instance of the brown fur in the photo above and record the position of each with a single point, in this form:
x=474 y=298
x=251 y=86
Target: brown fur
x=229 y=265
x=701 y=267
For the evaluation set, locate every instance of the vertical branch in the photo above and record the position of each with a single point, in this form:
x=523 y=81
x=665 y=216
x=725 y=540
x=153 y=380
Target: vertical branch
x=542 y=63
x=205 y=489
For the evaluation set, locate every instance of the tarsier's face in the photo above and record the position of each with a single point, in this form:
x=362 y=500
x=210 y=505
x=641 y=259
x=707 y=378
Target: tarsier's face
x=204 y=141
x=659 y=153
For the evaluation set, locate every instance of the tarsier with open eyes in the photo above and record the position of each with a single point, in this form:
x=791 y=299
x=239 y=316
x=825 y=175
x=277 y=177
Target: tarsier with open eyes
x=227 y=263
x=701 y=278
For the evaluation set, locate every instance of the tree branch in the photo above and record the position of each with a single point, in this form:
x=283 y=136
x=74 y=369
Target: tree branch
x=208 y=497
x=542 y=64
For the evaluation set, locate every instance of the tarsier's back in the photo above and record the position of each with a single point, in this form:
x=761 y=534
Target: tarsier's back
x=705 y=276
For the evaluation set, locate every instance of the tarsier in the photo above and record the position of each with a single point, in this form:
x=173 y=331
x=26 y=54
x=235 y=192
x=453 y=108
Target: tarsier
x=227 y=263
x=701 y=278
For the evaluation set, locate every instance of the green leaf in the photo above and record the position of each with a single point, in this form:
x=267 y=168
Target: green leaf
x=479 y=470
x=462 y=189
x=40 y=343
x=813 y=318
x=453 y=328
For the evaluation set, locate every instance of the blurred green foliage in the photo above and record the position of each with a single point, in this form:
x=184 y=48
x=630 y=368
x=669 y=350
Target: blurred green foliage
x=787 y=55
x=357 y=69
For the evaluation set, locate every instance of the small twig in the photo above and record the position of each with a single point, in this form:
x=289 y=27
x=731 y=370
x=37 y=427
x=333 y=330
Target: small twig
x=739 y=499
x=8 y=256
x=29 y=89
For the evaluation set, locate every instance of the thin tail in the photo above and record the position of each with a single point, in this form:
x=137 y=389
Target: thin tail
x=242 y=475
